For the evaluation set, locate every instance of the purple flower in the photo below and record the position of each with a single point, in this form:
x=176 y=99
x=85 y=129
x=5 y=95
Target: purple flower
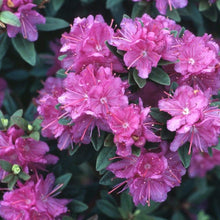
x=28 y=18
x=33 y=199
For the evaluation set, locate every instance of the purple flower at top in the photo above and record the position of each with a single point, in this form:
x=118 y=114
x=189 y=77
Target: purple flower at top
x=33 y=200
x=28 y=18
x=202 y=162
x=162 y=5
x=151 y=175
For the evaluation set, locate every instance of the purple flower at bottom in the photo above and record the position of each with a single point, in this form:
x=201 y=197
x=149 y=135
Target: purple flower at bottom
x=28 y=18
x=33 y=200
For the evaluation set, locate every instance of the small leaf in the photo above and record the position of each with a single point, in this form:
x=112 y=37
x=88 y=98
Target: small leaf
x=60 y=58
x=140 y=8
x=218 y=4
x=9 y=103
x=160 y=116
x=20 y=122
x=203 y=5
x=109 y=179
x=8 y=17
x=65 y=121
x=78 y=206
x=103 y=158
x=35 y=135
x=112 y=3
x=18 y=113
x=57 y=4
x=159 y=76
x=37 y=124
x=113 y=50
x=178 y=216
x=183 y=154
x=24 y=176
x=8 y=178
x=53 y=24
x=64 y=180
x=173 y=14
x=5 y=165
x=108 y=209
x=25 y=48
x=109 y=141
x=127 y=206
x=140 y=81
x=61 y=74
x=12 y=182
x=181 y=33
x=97 y=139
x=4 y=44
x=211 y=14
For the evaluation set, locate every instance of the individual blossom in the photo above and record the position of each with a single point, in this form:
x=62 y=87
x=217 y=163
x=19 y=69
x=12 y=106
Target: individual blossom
x=28 y=19
x=145 y=41
x=149 y=176
x=131 y=125
x=202 y=162
x=85 y=44
x=33 y=200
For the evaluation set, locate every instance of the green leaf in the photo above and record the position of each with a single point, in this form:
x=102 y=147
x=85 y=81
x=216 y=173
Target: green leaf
x=8 y=178
x=37 y=124
x=173 y=14
x=3 y=45
x=181 y=33
x=57 y=4
x=17 y=75
x=12 y=182
x=53 y=24
x=35 y=135
x=160 y=116
x=183 y=154
x=20 y=122
x=9 y=103
x=203 y=5
x=211 y=14
x=203 y=216
x=8 y=17
x=108 y=179
x=64 y=180
x=113 y=50
x=218 y=4
x=78 y=206
x=67 y=218
x=108 y=208
x=112 y=3
x=61 y=74
x=149 y=209
x=24 y=176
x=25 y=48
x=65 y=121
x=127 y=206
x=97 y=139
x=60 y=58
x=109 y=141
x=5 y=165
x=103 y=158
x=159 y=76
x=18 y=113
x=140 y=8
x=140 y=81
x=178 y=216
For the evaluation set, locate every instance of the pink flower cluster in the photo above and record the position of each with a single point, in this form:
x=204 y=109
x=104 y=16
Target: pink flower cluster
x=162 y=5
x=92 y=95
x=151 y=175
x=28 y=153
x=33 y=200
x=193 y=118
x=28 y=18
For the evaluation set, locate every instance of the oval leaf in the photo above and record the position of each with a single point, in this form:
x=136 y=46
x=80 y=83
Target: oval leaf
x=77 y=206
x=8 y=17
x=184 y=156
x=53 y=24
x=140 y=82
x=5 y=165
x=103 y=158
x=64 y=179
x=159 y=76
x=25 y=48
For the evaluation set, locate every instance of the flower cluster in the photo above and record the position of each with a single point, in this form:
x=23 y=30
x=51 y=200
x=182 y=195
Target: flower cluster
x=96 y=93
x=23 y=10
x=33 y=200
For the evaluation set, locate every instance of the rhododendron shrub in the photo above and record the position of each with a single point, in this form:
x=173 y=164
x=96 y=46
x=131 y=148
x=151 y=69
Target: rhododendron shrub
x=115 y=116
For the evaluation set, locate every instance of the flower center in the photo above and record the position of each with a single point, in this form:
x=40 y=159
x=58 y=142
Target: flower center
x=191 y=61
x=98 y=47
x=185 y=111
x=147 y=166
x=125 y=125
x=103 y=100
x=144 y=53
